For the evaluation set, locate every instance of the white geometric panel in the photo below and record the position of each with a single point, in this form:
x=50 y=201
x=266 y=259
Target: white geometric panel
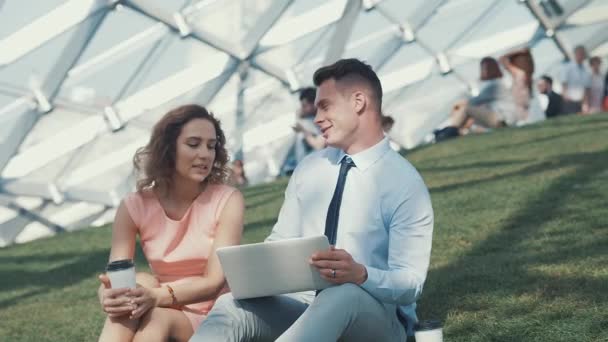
x=82 y=82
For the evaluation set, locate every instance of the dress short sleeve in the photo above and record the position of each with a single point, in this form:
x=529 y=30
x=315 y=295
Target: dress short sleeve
x=223 y=194
x=135 y=205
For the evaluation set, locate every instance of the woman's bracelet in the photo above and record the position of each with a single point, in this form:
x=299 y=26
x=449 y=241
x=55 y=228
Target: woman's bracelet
x=172 y=293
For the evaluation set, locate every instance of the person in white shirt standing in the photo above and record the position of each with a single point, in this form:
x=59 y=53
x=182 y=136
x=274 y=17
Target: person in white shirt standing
x=576 y=83
x=596 y=93
x=378 y=219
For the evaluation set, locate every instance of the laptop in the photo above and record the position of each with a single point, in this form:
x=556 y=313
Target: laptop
x=272 y=268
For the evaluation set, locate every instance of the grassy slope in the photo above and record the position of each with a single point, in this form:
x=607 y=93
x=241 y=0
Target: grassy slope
x=519 y=252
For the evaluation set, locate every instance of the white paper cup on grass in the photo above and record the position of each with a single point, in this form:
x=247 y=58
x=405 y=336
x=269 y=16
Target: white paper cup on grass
x=429 y=331
x=121 y=274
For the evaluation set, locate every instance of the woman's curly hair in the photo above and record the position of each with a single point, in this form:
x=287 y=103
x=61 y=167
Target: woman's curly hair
x=155 y=162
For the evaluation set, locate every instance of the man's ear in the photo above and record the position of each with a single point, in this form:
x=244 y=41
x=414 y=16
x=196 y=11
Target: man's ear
x=359 y=100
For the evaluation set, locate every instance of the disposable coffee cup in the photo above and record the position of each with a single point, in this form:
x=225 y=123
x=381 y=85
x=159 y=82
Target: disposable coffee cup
x=428 y=331
x=121 y=274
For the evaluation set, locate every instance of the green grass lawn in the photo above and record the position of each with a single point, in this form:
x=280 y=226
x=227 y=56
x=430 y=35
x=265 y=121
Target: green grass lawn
x=520 y=250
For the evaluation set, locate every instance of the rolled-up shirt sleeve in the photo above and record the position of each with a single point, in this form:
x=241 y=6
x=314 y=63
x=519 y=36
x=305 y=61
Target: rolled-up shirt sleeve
x=410 y=238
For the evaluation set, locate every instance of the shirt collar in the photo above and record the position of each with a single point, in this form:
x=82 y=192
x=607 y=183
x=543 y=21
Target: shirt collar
x=366 y=158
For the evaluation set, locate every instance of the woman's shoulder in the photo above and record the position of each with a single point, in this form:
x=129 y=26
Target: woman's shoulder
x=138 y=204
x=140 y=195
x=217 y=198
x=219 y=191
x=140 y=199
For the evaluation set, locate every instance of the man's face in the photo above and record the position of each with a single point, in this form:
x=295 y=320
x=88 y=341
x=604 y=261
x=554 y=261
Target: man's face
x=307 y=108
x=579 y=55
x=543 y=86
x=336 y=115
x=595 y=66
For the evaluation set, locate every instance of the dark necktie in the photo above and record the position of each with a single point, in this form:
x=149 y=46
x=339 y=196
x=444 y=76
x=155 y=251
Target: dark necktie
x=333 y=213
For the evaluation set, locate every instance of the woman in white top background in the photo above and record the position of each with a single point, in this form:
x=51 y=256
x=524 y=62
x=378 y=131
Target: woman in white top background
x=596 y=93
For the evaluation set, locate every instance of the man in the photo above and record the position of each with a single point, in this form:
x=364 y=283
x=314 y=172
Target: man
x=388 y=122
x=374 y=207
x=308 y=136
x=554 y=100
x=576 y=83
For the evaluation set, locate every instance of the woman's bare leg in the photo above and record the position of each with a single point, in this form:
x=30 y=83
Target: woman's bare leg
x=458 y=116
x=162 y=324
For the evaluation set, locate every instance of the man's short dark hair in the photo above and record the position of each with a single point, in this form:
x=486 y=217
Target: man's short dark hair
x=547 y=79
x=308 y=94
x=351 y=68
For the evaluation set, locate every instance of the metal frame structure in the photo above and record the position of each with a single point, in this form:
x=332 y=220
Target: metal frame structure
x=242 y=60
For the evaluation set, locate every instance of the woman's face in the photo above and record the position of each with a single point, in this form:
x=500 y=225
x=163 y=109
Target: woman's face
x=195 y=150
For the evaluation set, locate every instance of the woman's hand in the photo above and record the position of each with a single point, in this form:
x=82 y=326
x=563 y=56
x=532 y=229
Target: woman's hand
x=114 y=302
x=143 y=299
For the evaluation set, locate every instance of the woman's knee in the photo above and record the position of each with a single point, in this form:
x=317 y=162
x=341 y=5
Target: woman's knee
x=118 y=329
x=160 y=324
x=460 y=106
x=153 y=326
x=121 y=320
x=146 y=280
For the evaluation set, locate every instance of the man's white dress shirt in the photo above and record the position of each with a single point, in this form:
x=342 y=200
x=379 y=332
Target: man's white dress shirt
x=385 y=222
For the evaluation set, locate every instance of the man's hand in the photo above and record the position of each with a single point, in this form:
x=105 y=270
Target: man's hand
x=338 y=267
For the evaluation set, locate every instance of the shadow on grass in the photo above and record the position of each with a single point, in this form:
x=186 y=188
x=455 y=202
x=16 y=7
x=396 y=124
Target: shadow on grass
x=261 y=200
x=484 y=164
x=498 y=266
x=75 y=268
x=563 y=161
x=597 y=127
x=253 y=192
x=46 y=258
x=490 y=148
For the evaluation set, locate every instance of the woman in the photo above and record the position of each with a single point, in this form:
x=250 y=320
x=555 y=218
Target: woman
x=182 y=212
x=596 y=91
x=520 y=65
x=491 y=108
x=237 y=174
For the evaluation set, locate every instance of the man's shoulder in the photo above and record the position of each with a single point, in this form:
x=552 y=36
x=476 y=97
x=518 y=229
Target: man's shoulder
x=316 y=158
x=400 y=171
x=399 y=182
x=396 y=160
